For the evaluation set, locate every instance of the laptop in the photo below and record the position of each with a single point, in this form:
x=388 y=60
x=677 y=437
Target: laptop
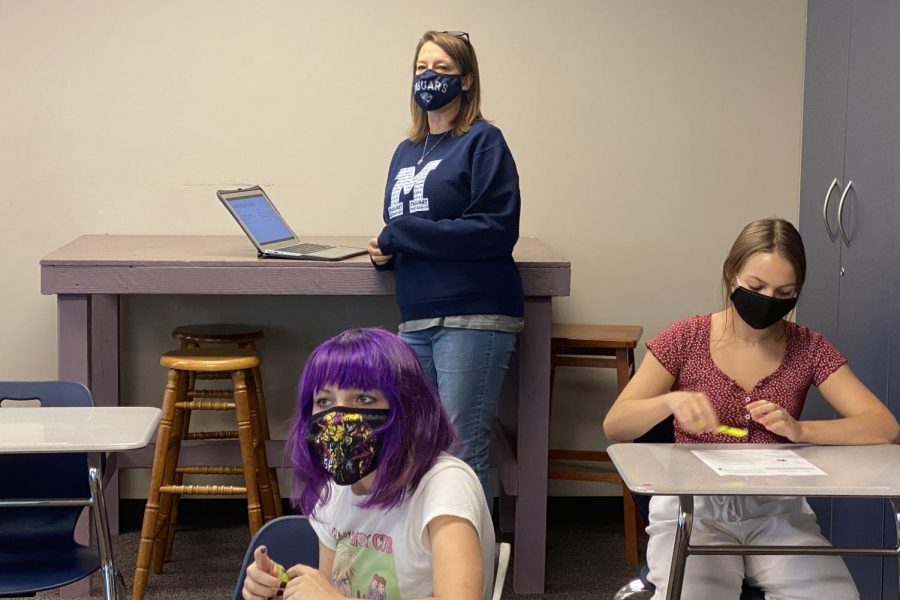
x=268 y=231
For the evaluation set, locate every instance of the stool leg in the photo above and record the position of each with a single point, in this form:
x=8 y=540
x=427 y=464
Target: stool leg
x=245 y=435
x=161 y=536
x=631 y=527
x=167 y=539
x=168 y=536
x=264 y=422
x=259 y=450
x=552 y=380
x=148 y=527
x=623 y=368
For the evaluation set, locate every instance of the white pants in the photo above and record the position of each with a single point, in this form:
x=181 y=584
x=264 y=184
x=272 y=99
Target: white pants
x=746 y=520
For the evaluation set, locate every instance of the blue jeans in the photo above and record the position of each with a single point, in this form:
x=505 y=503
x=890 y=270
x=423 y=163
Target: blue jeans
x=466 y=367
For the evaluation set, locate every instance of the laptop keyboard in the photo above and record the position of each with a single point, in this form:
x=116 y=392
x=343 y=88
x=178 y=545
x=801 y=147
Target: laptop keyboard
x=305 y=248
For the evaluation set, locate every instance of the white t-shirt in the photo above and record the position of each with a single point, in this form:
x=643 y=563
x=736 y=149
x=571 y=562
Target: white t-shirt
x=386 y=555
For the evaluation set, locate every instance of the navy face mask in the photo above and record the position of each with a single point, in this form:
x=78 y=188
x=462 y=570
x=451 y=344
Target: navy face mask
x=433 y=91
x=758 y=310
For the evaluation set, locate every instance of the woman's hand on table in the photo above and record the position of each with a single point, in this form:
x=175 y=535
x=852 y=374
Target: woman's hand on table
x=775 y=419
x=693 y=411
x=375 y=253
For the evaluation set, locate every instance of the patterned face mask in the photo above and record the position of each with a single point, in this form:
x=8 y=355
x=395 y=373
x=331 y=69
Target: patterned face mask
x=345 y=441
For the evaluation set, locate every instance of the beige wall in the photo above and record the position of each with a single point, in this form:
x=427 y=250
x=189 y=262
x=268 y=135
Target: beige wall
x=646 y=134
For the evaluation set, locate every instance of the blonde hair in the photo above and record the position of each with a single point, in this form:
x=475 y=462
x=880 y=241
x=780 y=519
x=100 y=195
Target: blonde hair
x=463 y=54
x=765 y=235
x=342 y=565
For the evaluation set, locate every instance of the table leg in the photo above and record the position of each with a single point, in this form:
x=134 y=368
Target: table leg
x=73 y=328
x=679 y=553
x=73 y=314
x=104 y=369
x=532 y=446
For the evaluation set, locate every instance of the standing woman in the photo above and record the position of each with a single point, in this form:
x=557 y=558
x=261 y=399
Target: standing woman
x=451 y=212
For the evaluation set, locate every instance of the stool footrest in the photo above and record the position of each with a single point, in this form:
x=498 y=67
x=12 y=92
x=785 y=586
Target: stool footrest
x=211 y=375
x=583 y=471
x=212 y=435
x=596 y=362
x=211 y=394
x=206 y=405
x=583 y=455
x=210 y=470
x=203 y=490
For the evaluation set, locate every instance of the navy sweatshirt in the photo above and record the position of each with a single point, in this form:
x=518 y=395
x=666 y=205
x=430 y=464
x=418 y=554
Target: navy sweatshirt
x=451 y=224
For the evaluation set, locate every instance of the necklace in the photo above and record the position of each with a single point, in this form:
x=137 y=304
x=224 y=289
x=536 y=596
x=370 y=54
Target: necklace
x=425 y=145
x=753 y=343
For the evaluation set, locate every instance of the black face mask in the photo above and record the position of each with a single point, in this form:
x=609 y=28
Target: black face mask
x=758 y=310
x=345 y=441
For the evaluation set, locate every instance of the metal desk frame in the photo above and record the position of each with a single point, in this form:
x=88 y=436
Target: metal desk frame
x=672 y=470
x=135 y=426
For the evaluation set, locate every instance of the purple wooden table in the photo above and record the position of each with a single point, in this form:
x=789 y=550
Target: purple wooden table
x=91 y=273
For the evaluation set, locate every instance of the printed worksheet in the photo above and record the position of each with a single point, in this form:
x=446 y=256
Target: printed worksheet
x=757 y=462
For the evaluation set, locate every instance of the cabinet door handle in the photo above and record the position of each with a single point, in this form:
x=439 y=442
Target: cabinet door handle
x=832 y=234
x=840 y=214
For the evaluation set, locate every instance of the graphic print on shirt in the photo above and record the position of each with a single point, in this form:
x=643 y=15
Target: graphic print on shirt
x=364 y=566
x=406 y=181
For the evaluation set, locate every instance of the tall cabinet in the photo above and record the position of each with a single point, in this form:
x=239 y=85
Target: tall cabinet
x=849 y=212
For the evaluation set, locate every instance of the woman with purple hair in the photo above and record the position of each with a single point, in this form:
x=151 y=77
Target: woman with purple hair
x=369 y=447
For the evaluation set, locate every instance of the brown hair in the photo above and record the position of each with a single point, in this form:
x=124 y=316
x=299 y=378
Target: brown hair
x=765 y=235
x=463 y=54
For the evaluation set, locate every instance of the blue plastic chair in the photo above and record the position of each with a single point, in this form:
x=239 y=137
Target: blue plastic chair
x=662 y=433
x=41 y=499
x=289 y=540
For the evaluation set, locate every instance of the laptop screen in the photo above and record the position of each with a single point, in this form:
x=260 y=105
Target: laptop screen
x=260 y=219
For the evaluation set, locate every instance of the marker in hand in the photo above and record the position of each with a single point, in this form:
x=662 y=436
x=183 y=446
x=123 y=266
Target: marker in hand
x=732 y=431
x=281 y=573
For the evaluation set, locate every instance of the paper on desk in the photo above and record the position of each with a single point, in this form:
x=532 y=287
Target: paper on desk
x=757 y=462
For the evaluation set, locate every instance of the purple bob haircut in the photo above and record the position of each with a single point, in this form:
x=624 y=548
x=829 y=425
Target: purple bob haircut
x=416 y=431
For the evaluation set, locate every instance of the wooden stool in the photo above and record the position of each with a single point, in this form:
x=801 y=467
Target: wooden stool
x=178 y=402
x=192 y=336
x=603 y=347
x=242 y=336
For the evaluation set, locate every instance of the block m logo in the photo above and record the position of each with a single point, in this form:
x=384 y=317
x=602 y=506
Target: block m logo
x=408 y=181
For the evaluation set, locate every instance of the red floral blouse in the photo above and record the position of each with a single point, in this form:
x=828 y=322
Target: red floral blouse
x=683 y=349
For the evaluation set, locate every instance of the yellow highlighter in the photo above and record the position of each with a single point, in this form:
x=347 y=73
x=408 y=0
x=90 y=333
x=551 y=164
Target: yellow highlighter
x=732 y=431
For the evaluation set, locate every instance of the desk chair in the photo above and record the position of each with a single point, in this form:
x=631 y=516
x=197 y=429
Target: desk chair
x=662 y=433
x=291 y=540
x=41 y=499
